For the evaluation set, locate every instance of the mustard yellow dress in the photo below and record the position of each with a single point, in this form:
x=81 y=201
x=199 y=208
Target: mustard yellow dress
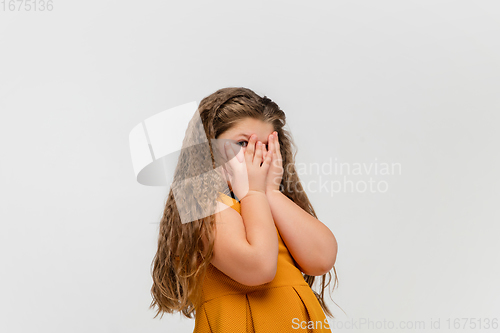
x=286 y=304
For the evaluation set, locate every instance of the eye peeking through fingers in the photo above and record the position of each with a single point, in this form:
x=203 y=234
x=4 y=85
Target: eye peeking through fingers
x=245 y=144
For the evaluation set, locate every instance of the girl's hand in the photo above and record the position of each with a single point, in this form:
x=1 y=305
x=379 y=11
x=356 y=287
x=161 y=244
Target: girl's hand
x=275 y=173
x=244 y=170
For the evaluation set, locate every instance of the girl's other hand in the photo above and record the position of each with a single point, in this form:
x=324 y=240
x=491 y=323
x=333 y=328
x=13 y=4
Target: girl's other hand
x=247 y=174
x=275 y=173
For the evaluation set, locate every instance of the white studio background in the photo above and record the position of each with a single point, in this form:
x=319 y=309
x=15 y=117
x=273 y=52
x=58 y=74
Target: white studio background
x=372 y=82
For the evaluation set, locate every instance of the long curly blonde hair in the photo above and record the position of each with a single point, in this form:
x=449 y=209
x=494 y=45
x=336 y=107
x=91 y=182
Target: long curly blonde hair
x=179 y=265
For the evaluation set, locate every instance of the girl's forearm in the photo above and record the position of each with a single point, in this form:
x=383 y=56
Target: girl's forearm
x=310 y=242
x=260 y=227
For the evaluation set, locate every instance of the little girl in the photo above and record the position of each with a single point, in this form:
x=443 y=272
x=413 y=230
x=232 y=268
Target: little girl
x=250 y=266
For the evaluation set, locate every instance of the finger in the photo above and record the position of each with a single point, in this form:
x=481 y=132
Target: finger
x=271 y=144
x=257 y=159
x=249 y=152
x=277 y=145
x=267 y=162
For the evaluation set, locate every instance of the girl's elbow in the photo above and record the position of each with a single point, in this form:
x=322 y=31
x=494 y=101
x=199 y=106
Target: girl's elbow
x=329 y=261
x=269 y=266
x=333 y=257
x=321 y=269
x=329 y=265
x=260 y=276
x=269 y=273
x=261 y=271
